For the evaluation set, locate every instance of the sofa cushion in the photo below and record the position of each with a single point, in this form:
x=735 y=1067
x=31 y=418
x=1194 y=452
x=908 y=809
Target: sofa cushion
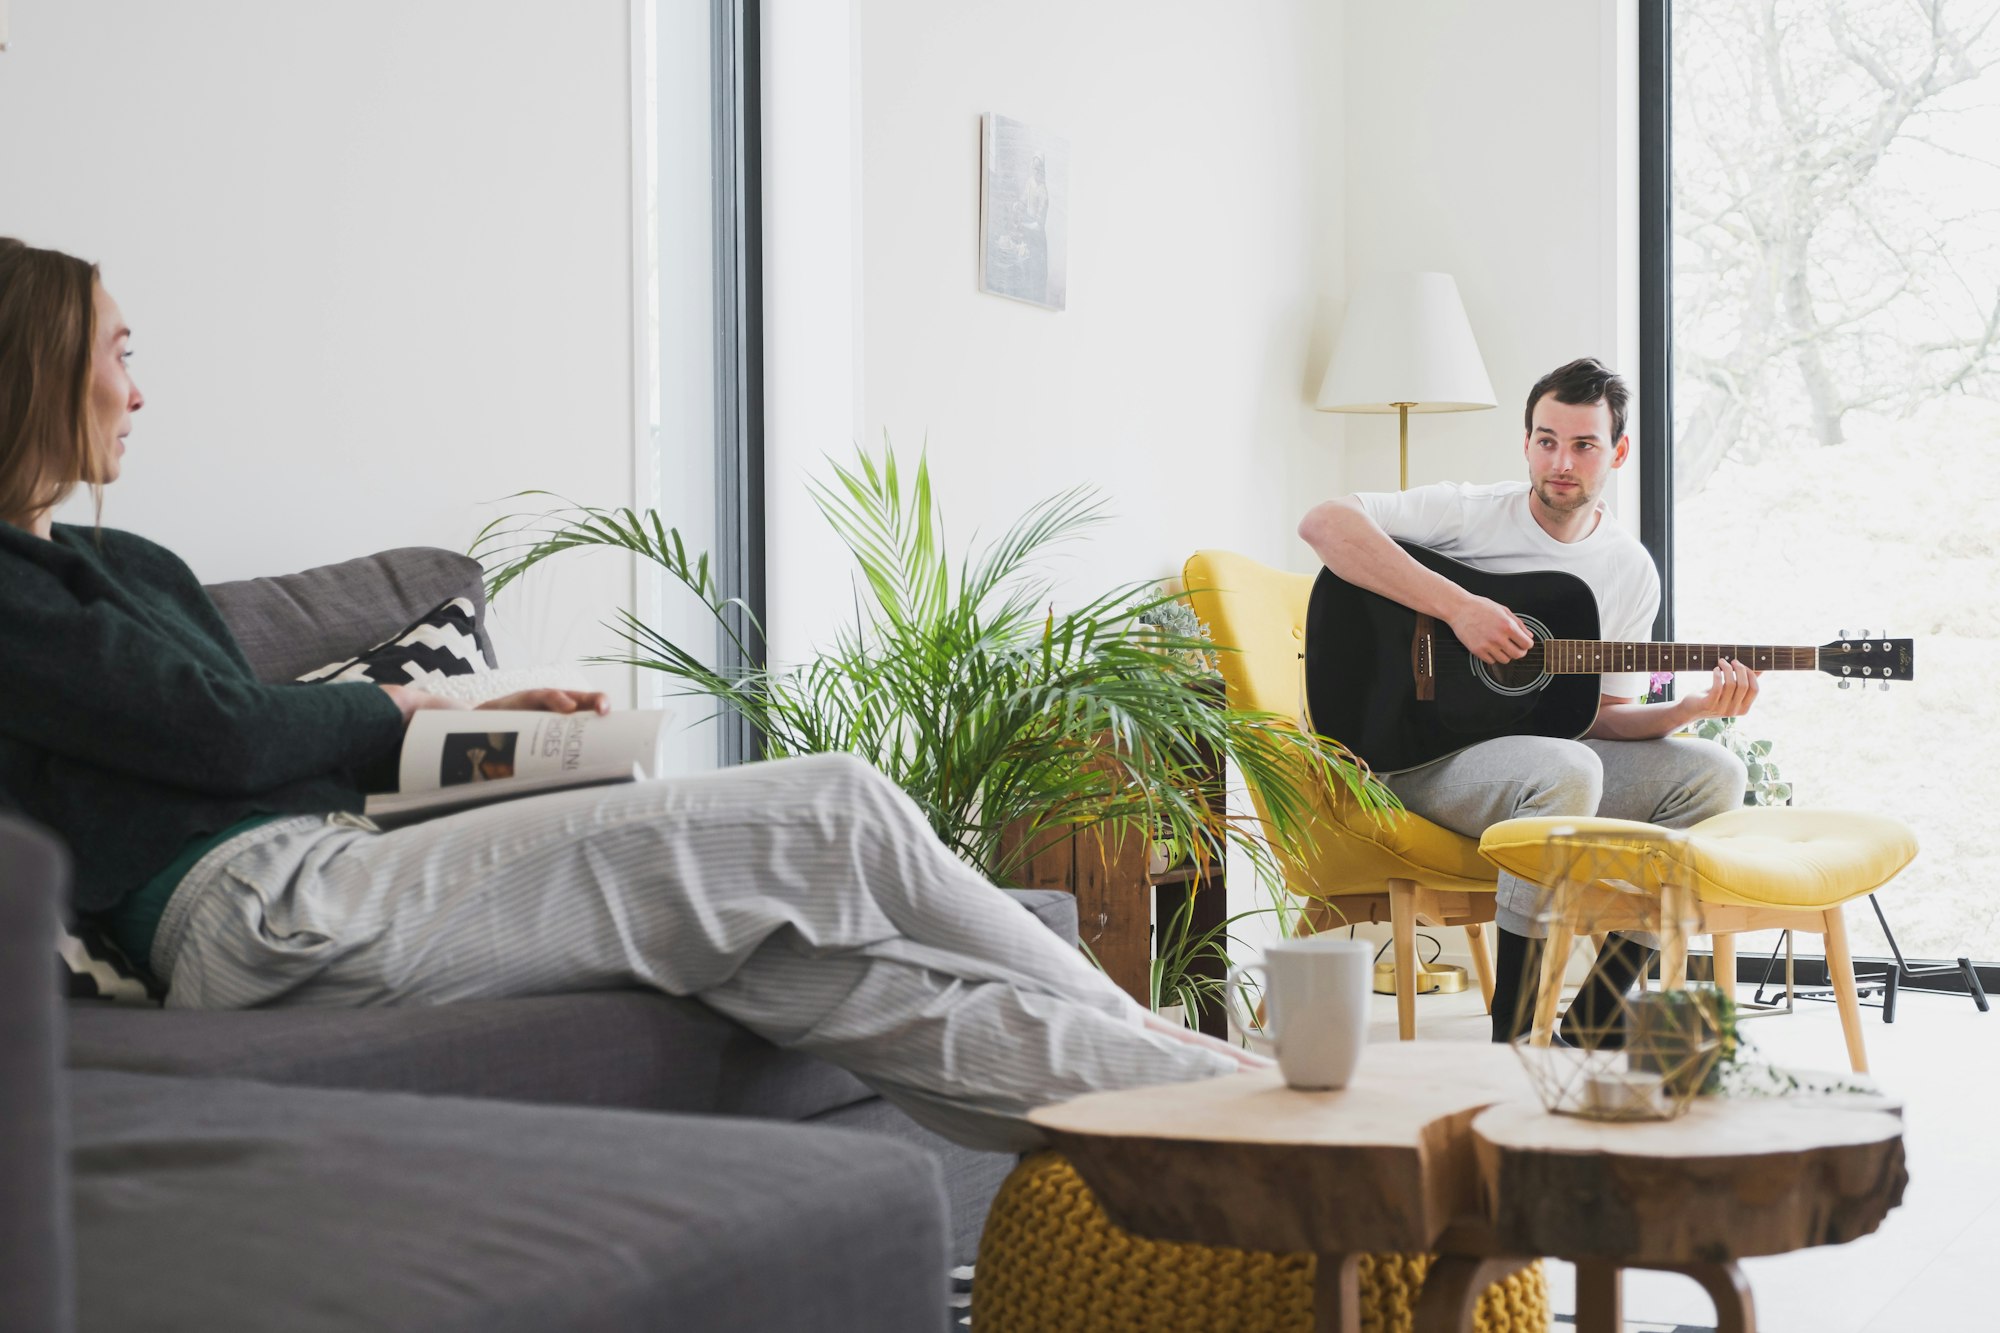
x=297 y=623
x=219 y=1206
x=612 y=1048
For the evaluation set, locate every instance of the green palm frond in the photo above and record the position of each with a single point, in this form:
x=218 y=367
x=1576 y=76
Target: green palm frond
x=1013 y=726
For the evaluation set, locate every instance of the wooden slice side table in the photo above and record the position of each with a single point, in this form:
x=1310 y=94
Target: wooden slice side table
x=1442 y=1147
x=1732 y=1179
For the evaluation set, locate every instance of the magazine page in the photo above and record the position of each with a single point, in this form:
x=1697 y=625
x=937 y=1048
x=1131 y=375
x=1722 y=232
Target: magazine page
x=457 y=747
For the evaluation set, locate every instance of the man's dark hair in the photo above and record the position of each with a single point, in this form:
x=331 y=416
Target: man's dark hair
x=1585 y=380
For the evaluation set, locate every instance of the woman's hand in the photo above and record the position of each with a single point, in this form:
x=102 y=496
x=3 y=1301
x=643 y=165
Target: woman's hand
x=553 y=701
x=411 y=700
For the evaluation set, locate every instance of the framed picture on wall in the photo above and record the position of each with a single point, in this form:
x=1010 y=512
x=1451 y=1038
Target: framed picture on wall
x=1023 y=212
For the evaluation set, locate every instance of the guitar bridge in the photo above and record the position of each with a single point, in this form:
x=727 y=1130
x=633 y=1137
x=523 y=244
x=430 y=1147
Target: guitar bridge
x=1423 y=657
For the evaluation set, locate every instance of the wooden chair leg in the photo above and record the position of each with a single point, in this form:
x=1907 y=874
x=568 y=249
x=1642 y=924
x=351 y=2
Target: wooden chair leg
x=1840 y=970
x=1555 y=962
x=1403 y=921
x=1475 y=939
x=1725 y=964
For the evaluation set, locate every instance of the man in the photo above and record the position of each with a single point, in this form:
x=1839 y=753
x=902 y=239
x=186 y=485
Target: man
x=1629 y=765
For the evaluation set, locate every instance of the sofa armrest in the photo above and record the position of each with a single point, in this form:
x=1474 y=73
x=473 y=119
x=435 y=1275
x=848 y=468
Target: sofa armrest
x=35 y=1236
x=1054 y=908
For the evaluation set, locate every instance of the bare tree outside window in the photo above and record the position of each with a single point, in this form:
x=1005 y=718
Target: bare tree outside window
x=1836 y=216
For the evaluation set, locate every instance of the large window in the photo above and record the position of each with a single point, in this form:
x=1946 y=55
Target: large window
x=1835 y=370
x=698 y=330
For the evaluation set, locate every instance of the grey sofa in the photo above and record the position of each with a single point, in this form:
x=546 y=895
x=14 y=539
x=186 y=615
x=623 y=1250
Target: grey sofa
x=612 y=1051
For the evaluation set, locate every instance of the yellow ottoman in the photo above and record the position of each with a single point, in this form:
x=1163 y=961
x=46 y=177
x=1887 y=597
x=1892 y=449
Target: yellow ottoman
x=1750 y=869
x=1051 y=1262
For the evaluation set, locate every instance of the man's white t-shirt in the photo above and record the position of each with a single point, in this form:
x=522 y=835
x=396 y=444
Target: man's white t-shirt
x=1489 y=527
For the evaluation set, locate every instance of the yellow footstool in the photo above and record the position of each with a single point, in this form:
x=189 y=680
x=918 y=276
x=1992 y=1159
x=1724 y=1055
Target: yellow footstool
x=1051 y=1262
x=1750 y=869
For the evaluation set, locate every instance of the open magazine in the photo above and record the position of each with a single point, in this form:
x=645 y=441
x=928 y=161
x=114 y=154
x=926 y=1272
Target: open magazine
x=455 y=759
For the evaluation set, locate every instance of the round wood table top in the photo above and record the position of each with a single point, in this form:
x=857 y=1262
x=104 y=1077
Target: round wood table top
x=1432 y=1134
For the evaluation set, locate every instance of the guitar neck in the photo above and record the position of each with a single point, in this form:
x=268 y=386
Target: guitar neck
x=1576 y=657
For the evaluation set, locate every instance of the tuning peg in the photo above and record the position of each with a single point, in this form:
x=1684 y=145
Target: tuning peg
x=1885 y=684
x=1868 y=634
x=1843 y=684
x=1842 y=635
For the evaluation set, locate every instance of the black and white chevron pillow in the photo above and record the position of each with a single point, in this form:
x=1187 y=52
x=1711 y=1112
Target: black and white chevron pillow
x=442 y=642
x=95 y=969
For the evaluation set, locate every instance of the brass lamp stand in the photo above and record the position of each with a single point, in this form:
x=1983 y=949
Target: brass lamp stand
x=1406 y=343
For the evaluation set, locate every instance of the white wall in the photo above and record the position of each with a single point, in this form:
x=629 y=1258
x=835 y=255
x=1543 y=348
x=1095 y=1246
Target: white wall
x=1492 y=142
x=1203 y=152
x=378 y=263
x=1497 y=143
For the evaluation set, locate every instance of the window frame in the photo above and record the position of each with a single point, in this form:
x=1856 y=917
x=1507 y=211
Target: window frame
x=739 y=346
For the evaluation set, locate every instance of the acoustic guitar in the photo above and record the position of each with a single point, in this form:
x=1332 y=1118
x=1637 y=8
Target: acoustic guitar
x=1399 y=690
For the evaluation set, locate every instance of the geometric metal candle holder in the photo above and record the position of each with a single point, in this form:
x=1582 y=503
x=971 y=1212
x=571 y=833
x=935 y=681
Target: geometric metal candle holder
x=1649 y=1054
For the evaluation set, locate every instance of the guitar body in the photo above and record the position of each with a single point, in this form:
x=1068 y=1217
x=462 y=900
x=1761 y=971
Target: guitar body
x=1361 y=684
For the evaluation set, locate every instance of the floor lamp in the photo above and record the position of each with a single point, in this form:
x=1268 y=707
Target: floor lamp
x=1406 y=346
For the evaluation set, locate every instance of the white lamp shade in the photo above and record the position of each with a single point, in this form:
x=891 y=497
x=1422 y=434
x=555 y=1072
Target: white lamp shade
x=1406 y=339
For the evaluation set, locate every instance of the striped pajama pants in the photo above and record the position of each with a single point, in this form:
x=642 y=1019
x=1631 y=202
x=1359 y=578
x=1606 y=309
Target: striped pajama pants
x=806 y=899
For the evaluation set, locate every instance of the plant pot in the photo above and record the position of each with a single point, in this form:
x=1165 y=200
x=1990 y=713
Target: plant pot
x=1173 y=1013
x=1677 y=1035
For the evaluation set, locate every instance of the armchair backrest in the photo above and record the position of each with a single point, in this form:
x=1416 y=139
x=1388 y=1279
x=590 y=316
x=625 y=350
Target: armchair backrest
x=35 y=1237
x=1260 y=612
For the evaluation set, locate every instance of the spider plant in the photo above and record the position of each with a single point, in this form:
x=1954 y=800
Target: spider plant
x=1011 y=724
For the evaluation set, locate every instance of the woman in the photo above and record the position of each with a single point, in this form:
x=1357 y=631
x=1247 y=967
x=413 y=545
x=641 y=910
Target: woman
x=211 y=821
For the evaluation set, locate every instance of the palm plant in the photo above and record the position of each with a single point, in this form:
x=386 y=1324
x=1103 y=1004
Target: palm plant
x=1011 y=725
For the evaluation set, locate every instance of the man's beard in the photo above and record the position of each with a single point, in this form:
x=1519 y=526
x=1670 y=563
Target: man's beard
x=1563 y=502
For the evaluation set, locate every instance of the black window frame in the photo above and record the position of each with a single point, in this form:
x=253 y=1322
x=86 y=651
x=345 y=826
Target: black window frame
x=735 y=29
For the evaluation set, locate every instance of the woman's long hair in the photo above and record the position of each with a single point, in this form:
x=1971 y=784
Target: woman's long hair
x=48 y=325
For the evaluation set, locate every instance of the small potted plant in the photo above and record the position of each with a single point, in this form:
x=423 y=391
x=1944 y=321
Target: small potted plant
x=1684 y=1036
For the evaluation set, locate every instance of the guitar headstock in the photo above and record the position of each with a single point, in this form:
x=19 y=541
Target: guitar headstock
x=1868 y=659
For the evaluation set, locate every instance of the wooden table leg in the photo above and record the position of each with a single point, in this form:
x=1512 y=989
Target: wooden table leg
x=1735 y=1311
x=1600 y=1297
x=1452 y=1289
x=1337 y=1294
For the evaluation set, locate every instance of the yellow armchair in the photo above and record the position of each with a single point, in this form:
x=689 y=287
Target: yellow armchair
x=1410 y=871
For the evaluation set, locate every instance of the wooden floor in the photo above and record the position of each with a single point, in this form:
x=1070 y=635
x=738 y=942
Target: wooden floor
x=1933 y=1263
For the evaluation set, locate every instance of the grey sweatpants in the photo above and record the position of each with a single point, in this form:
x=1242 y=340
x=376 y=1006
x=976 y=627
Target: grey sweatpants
x=1675 y=782
x=806 y=899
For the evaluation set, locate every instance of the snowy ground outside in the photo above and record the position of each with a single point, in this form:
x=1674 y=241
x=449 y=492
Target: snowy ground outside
x=1897 y=530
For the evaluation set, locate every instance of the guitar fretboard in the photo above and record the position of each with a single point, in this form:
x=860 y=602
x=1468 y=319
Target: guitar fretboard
x=1570 y=657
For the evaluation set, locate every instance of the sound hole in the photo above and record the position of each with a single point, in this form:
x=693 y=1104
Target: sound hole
x=1524 y=674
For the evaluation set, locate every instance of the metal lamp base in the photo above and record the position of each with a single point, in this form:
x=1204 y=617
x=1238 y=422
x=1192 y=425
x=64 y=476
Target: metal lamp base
x=1432 y=978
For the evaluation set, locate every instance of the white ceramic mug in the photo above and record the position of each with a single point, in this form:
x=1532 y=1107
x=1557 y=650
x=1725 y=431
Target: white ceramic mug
x=1315 y=1006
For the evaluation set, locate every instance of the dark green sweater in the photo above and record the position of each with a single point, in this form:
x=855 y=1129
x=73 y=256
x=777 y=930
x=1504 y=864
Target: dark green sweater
x=131 y=724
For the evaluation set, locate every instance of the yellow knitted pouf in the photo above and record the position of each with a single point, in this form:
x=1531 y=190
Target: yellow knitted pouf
x=1051 y=1262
